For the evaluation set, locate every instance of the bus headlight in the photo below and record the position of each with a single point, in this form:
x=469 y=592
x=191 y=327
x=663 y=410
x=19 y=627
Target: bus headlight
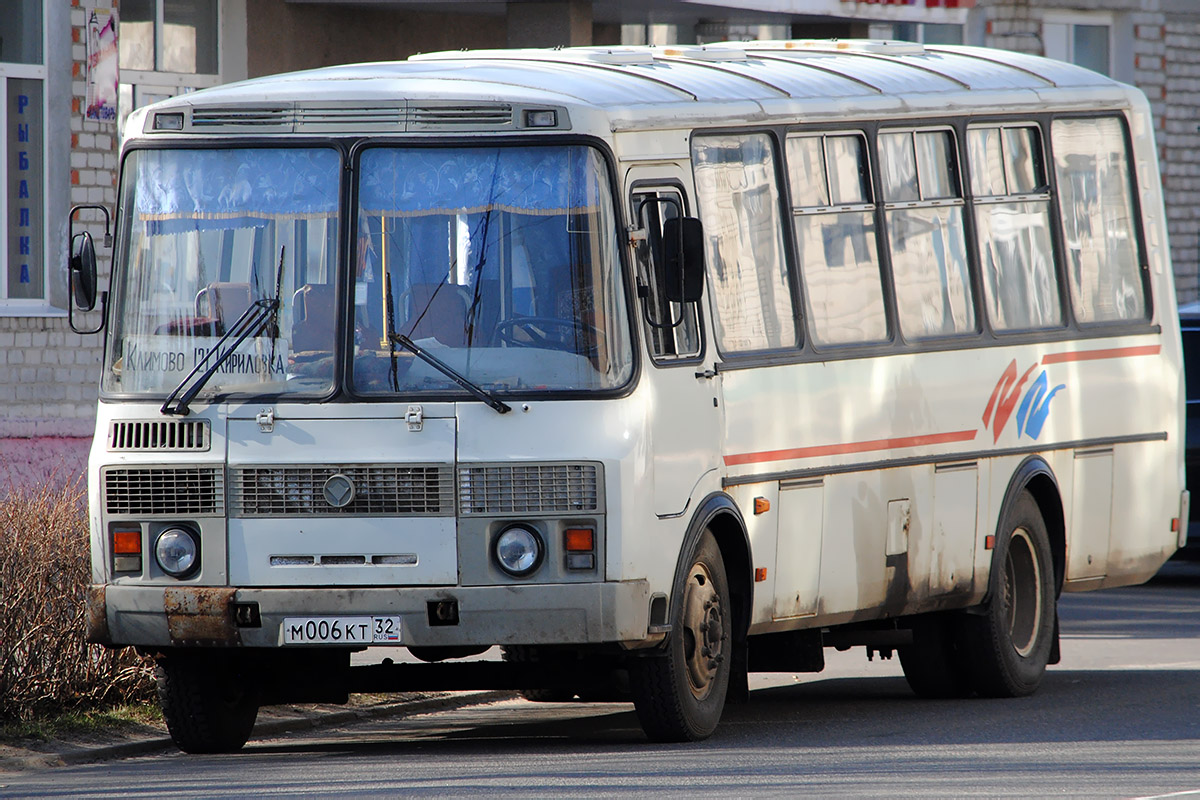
x=177 y=552
x=518 y=550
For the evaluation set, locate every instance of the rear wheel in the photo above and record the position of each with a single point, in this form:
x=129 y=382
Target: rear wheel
x=1009 y=644
x=680 y=694
x=209 y=703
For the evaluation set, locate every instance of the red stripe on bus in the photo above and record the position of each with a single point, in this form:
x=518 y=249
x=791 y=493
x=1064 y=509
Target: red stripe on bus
x=1096 y=355
x=851 y=447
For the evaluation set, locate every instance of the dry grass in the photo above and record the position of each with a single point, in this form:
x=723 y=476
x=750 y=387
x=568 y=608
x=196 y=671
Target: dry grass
x=46 y=667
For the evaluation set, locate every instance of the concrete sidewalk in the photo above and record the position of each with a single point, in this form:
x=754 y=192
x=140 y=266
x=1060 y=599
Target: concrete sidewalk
x=272 y=721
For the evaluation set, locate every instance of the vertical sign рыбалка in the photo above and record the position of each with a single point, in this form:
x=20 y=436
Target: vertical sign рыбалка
x=26 y=263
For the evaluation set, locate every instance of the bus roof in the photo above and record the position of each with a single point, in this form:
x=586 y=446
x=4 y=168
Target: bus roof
x=645 y=87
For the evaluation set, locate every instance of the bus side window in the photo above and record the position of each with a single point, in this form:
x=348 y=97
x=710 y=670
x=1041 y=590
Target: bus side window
x=672 y=329
x=1099 y=232
x=923 y=207
x=1012 y=222
x=835 y=238
x=739 y=202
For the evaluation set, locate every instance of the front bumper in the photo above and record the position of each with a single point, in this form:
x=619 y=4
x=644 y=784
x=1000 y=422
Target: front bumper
x=179 y=616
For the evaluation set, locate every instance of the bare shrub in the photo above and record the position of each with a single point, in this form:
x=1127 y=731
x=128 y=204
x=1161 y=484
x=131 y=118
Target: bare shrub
x=45 y=664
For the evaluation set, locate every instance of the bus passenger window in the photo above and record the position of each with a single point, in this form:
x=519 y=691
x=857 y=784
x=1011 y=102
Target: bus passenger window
x=672 y=329
x=1012 y=222
x=835 y=238
x=1099 y=233
x=924 y=210
x=739 y=206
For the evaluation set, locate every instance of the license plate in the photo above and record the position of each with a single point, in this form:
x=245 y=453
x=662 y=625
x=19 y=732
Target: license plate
x=341 y=630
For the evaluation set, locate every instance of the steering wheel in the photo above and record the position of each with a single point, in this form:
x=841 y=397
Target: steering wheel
x=549 y=333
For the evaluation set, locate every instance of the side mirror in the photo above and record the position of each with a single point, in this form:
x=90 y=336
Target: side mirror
x=83 y=271
x=683 y=257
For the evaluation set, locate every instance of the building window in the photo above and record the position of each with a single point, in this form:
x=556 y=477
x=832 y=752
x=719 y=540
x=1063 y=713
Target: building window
x=921 y=32
x=167 y=48
x=169 y=36
x=1085 y=40
x=22 y=156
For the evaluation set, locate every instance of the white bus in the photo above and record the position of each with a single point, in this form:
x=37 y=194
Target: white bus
x=653 y=366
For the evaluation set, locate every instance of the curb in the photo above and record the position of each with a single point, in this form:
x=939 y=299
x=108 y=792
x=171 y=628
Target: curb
x=83 y=754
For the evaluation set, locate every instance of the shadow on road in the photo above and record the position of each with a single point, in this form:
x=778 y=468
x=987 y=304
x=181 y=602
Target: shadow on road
x=1164 y=608
x=1072 y=706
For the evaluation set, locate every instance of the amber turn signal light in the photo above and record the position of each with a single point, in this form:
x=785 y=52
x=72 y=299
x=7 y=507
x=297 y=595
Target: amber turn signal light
x=127 y=543
x=579 y=540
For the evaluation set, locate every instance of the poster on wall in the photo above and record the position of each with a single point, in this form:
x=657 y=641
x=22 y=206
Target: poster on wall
x=102 y=67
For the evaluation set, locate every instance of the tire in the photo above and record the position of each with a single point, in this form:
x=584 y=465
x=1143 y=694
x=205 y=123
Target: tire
x=1008 y=645
x=935 y=664
x=209 y=703
x=679 y=695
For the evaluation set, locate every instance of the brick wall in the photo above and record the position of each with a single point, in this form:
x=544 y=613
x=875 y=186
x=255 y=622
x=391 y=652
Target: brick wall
x=1012 y=25
x=49 y=374
x=1179 y=145
x=1159 y=51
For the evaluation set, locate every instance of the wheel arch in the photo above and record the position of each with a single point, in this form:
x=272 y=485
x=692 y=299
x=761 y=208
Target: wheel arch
x=719 y=514
x=1036 y=475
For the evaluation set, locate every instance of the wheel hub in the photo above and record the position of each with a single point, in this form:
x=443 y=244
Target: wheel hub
x=1022 y=593
x=703 y=630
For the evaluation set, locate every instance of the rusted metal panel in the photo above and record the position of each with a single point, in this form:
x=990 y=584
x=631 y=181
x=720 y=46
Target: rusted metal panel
x=97 y=615
x=201 y=616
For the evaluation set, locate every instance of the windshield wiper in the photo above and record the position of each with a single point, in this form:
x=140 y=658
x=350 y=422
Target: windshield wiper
x=252 y=322
x=451 y=373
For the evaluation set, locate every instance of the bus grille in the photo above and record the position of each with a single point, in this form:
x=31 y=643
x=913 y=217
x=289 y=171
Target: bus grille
x=164 y=490
x=529 y=489
x=158 y=435
x=379 y=489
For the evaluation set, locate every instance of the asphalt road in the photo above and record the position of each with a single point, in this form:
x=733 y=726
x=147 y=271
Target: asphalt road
x=1120 y=717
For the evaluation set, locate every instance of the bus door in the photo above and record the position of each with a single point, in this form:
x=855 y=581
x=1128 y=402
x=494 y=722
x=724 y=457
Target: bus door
x=682 y=379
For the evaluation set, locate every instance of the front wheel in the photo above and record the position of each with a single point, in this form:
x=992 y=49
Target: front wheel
x=1009 y=644
x=209 y=704
x=680 y=694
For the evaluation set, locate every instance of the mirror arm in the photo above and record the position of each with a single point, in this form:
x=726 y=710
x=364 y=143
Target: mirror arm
x=107 y=222
x=661 y=326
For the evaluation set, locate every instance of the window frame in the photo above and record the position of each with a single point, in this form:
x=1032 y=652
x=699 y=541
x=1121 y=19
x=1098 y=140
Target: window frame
x=985 y=336
x=1041 y=124
x=1070 y=20
x=623 y=270
x=769 y=355
x=135 y=84
x=870 y=205
x=645 y=187
x=960 y=201
x=1139 y=229
x=42 y=306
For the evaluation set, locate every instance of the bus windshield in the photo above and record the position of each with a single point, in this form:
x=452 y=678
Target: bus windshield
x=501 y=262
x=207 y=233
